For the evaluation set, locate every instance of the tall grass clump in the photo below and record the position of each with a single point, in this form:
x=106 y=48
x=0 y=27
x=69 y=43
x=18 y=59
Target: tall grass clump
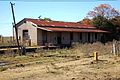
x=87 y=49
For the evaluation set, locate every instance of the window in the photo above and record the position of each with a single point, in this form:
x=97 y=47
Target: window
x=25 y=34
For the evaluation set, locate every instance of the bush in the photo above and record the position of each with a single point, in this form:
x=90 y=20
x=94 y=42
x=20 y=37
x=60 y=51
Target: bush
x=87 y=49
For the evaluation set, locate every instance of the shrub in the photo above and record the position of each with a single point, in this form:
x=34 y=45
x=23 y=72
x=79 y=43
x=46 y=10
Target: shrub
x=87 y=49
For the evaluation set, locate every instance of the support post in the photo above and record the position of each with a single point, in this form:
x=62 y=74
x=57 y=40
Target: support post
x=115 y=48
x=13 y=31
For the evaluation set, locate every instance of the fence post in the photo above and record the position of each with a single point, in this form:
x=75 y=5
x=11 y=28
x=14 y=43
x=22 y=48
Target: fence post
x=114 y=47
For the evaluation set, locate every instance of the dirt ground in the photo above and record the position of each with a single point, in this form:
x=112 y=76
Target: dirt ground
x=107 y=68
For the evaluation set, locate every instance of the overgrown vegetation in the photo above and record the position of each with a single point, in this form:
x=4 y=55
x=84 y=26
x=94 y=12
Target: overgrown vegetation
x=105 y=17
x=77 y=52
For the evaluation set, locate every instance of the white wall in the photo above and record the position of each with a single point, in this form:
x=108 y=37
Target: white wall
x=32 y=31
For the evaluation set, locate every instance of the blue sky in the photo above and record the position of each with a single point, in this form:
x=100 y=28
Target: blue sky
x=61 y=11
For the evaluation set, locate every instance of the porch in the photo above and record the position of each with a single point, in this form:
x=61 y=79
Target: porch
x=59 y=38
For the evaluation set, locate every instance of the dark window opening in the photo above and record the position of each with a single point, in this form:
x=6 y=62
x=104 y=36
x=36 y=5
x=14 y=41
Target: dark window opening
x=25 y=34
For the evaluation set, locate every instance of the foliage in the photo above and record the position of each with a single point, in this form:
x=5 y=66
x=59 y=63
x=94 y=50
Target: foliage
x=47 y=19
x=104 y=10
x=103 y=23
x=105 y=17
x=116 y=21
x=85 y=21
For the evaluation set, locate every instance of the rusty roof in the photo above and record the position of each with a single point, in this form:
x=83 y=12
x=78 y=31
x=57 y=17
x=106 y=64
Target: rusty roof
x=62 y=26
x=58 y=23
x=72 y=30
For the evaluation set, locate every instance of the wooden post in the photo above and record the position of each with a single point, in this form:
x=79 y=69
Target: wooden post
x=114 y=47
x=16 y=29
x=95 y=56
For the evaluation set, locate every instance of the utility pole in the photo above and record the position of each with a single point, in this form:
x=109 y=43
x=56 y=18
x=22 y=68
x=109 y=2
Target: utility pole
x=13 y=31
x=14 y=26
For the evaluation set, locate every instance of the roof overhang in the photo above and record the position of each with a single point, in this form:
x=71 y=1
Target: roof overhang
x=71 y=30
x=43 y=29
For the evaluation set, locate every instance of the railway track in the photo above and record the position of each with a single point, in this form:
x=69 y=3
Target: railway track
x=28 y=49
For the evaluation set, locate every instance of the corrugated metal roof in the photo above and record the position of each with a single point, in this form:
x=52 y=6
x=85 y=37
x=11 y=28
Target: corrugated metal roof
x=63 y=26
x=72 y=30
x=58 y=23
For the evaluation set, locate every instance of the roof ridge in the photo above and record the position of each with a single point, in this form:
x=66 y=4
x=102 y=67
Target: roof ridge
x=50 y=21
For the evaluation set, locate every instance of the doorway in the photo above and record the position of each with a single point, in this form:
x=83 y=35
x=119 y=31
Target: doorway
x=58 y=38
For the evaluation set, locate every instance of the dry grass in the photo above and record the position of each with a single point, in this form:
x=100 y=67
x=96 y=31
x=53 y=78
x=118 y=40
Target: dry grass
x=88 y=48
x=7 y=41
x=77 y=52
x=74 y=63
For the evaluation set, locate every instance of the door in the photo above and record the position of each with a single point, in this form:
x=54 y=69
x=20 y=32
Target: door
x=58 y=38
x=44 y=37
x=71 y=37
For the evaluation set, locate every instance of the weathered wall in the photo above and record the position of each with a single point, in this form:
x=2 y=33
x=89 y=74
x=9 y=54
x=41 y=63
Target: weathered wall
x=39 y=37
x=75 y=37
x=36 y=35
x=52 y=37
x=32 y=32
x=65 y=36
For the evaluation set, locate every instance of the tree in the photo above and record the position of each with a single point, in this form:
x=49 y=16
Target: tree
x=107 y=18
x=102 y=17
x=104 y=10
x=103 y=23
x=86 y=21
x=47 y=19
x=116 y=21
